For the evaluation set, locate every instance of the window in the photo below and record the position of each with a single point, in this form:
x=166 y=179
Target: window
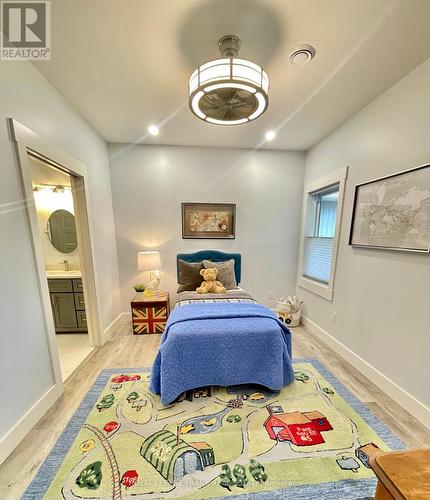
x=321 y=225
x=322 y=212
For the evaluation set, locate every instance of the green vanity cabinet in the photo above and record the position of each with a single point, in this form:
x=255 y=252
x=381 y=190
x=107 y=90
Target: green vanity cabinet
x=68 y=305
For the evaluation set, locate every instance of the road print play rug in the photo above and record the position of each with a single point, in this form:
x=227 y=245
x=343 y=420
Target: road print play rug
x=308 y=441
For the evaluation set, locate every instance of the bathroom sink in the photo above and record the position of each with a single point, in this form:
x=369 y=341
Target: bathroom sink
x=64 y=274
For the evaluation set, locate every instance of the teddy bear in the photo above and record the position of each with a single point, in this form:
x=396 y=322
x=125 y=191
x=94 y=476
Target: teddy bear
x=210 y=285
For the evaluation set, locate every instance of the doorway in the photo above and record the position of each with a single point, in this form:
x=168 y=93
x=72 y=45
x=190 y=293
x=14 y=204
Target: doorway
x=28 y=144
x=53 y=199
x=25 y=143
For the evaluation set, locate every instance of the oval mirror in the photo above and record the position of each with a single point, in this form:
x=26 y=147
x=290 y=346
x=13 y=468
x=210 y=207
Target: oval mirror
x=62 y=231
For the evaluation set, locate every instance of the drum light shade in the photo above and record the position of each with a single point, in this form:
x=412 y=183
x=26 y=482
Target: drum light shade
x=148 y=261
x=229 y=91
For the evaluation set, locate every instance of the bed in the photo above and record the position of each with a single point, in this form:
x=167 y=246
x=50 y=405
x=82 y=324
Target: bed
x=220 y=340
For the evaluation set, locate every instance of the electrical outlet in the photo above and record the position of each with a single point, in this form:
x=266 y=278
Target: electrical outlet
x=271 y=294
x=333 y=316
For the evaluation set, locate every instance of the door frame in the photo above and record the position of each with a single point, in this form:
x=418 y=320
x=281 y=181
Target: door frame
x=26 y=142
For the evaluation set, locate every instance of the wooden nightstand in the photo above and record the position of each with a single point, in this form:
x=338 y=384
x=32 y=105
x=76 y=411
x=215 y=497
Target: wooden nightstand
x=149 y=313
x=402 y=475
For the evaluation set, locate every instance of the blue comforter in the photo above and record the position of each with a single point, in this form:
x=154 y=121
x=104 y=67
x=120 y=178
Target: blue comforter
x=221 y=344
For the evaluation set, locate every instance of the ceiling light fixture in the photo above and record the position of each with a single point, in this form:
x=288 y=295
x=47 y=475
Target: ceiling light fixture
x=270 y=135
x=229 y=91
x=153 y=130
x=302 y=55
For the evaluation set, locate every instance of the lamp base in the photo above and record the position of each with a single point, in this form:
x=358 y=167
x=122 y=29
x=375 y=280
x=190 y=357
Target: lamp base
x=155 y=278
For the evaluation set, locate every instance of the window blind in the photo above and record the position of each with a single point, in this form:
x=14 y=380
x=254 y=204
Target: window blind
x=327 y=219
x=317 y=258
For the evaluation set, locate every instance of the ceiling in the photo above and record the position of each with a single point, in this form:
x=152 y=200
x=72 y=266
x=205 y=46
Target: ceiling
x=43 y=173
x=125 y=64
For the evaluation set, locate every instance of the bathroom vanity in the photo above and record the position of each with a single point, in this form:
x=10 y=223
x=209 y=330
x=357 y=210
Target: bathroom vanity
x=67 y=302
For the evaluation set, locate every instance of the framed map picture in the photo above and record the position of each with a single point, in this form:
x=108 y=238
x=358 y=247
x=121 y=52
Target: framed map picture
x=208 y=220
x=393 y=212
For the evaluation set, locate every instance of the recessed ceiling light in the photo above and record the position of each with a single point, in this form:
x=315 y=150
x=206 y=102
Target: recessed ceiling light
x=302 y=55
x=153 y=130
x=270 y=135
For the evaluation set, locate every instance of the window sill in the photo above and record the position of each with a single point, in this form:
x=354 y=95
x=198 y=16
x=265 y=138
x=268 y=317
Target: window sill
x=316 y=287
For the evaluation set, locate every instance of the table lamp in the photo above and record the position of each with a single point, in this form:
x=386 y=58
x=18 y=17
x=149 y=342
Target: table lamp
x=150 y=261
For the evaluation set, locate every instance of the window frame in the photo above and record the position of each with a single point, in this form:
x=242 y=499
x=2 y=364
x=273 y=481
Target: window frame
x=338 y=177
x=317 y=213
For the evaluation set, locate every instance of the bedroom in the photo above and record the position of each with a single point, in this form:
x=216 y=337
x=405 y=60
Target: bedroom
x=358 y=111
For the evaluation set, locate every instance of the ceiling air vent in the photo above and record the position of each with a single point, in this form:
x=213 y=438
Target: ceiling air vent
x=302 y=55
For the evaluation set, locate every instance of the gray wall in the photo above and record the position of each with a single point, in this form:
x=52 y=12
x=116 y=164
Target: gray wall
x=150 y=182
x=382 y=298
x=24 y=362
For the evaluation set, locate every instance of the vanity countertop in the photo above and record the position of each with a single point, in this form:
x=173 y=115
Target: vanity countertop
x=63 y=274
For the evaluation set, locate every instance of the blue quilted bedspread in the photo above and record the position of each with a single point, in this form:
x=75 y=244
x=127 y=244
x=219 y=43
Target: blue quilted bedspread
x=221 y=344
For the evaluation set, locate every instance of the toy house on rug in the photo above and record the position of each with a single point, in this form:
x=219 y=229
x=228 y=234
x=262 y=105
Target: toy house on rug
x=172 y=457
x=301 y=428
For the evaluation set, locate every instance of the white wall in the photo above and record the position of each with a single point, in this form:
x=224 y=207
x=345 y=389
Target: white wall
x=382 y=298
x=24 y=362
x=150 y=182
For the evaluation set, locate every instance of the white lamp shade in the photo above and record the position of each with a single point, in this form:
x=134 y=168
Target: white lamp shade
x=148 y=261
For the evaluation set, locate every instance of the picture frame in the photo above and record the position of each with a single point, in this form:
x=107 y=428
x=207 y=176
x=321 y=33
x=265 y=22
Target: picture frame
x=208 y=220
x=393 y=212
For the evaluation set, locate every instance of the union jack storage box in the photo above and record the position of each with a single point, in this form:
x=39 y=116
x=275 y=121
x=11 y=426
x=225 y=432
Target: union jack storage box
x=149 y=313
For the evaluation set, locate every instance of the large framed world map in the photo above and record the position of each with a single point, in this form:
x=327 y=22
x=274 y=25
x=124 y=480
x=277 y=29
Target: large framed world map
x=393 y=212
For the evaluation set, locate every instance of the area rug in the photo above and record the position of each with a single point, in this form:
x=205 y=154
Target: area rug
x=309 y=441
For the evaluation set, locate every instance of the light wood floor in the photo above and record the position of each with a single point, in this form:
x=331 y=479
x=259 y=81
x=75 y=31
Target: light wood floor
x=73 y=349
x=124 y=350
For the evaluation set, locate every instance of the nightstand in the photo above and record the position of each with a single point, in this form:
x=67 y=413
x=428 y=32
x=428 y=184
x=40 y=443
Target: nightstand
x=402 y=474
x=149 y=313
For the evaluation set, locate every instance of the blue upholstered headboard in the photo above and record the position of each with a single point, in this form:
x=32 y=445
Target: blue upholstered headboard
x=214 y=256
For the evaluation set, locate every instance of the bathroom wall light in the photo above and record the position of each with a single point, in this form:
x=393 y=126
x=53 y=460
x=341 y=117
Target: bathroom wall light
x=49 y=198
x=54 y=188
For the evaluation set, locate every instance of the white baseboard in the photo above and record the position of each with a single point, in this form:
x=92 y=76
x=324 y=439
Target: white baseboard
x=420 y=411
x=107 y=332
x=13 y=437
